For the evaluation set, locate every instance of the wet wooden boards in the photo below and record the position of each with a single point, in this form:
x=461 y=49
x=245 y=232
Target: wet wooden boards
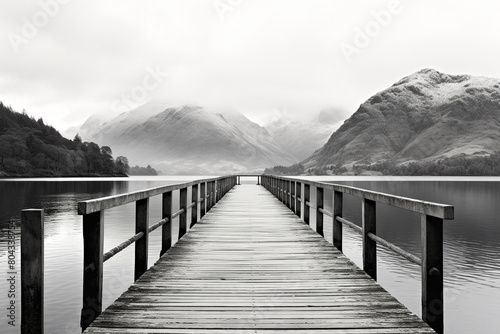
x=251 y=266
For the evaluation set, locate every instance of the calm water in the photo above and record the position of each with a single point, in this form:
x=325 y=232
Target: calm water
x=472 y=244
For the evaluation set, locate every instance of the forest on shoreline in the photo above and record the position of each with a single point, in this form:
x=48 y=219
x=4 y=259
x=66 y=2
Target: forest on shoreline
x=30 y=148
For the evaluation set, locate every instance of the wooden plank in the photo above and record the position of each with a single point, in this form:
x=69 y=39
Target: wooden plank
x=255 y=269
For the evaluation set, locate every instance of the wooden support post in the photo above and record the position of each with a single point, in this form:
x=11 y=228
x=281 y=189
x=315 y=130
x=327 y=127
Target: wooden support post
x=285 y=189
x=337 y=212
x=258 y=180
x=141 y=245
x=182 y=216
x=277 y=189
x=238 y=180
x=217 y=191
x=166 y=229
x=369 y=246
x=432 y=272
x=194 y=209
x=289 y=194
x=283 y=192
x=298 y=197
x=214 y=193
x=93 y=243
x=307 y=196
x=32 y=263
x=203 y=195
x=319 y=214
x=292 y=196
x=210 y=195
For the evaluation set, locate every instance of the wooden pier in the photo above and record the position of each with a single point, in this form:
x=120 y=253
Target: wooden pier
x=250 y=263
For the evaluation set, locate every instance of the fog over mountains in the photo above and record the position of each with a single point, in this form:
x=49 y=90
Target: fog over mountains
x=190 y=139
x=423 y=117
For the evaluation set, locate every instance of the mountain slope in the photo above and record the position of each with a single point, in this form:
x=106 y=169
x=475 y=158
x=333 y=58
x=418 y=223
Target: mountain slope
x=424 y=117
x=28 y=147
x=192 y=140
x=302 y=138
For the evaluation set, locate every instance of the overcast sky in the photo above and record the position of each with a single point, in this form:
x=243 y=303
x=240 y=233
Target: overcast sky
x=65 y=60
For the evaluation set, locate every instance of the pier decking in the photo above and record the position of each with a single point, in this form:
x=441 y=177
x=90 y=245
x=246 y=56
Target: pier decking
x=250 y=265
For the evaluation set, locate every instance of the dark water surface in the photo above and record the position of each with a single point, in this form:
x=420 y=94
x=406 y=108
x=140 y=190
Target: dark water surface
x=472 y=244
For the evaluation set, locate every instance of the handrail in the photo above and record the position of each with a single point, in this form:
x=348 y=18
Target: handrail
x=355 y=227
x=112 y=252
x=205 y=191
x=108 y=202
x=432 y=215
x=443 y=211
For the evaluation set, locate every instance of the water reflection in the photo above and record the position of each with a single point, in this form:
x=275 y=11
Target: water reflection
x=471 y=244
x=471 y=248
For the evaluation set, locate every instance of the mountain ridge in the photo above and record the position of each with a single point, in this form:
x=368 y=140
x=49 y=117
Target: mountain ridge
x=423 y=117
x=192 y=139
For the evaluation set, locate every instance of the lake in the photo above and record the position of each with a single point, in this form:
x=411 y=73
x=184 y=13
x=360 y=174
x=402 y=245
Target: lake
x=471 y=243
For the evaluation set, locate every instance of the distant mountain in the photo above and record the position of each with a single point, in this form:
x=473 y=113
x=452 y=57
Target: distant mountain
x=189 y=139
x=97 y=125
x=422 y=118
x=301 y=138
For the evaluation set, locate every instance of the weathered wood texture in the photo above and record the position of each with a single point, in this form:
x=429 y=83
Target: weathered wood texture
x=32 y=264
x=255 y=269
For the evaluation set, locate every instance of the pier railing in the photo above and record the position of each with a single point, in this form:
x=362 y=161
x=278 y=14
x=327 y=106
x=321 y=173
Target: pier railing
x=205 y=191
x=295 y=193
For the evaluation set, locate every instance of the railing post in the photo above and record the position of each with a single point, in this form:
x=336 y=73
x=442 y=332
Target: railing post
x=258 y=180
x=298 y=198
x=337 y=212
x=166 y=229
x=289 y=194
x=217 y=191
x=182 y=216
x=307 y=209
x=93 y=242
x=238 y=180
x=278 y=184
x=141 y=245
x=203 y=196
x=432 y=272
x=212 y=195
x=283 y=192
x=369 y=246
x=32 y=263
x=209 y=194
x=194 y=209
x=285 y=186
x=292 y=196
x=276 y=188
x=319 y=214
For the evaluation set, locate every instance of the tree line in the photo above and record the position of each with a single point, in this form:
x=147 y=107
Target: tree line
x=453 y=166
x=29 y=147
